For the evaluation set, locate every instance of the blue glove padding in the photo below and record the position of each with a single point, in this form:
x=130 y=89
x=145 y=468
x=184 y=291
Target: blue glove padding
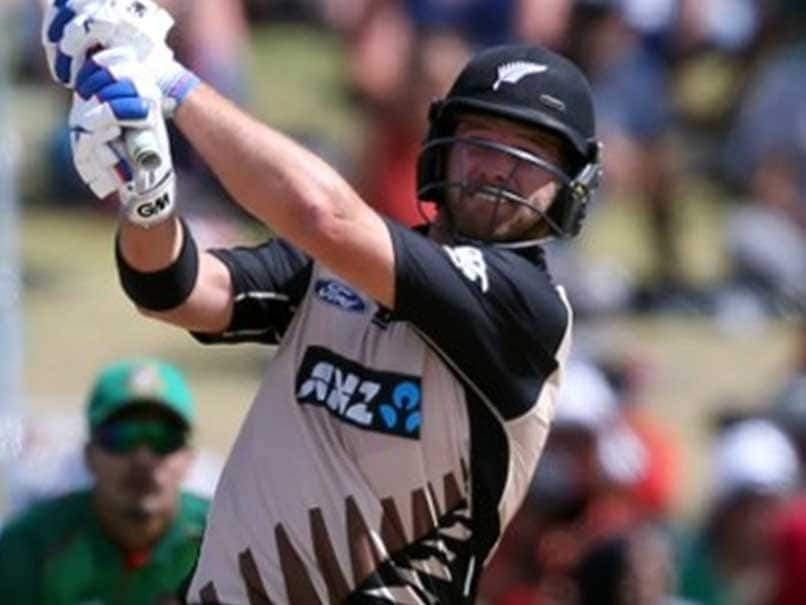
x=60 y=15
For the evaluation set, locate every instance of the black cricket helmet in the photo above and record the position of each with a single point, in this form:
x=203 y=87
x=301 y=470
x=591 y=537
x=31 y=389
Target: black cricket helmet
x=529 y=85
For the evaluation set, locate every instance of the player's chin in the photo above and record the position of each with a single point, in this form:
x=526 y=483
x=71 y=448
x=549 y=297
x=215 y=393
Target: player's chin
x=515 y=223
x=486 y=217
x=143 y=506
x=501 y=232
x=514 y=233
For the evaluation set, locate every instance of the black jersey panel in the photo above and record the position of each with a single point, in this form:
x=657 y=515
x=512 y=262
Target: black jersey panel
x=494 y=313
x=268 y=283
x=489 y=469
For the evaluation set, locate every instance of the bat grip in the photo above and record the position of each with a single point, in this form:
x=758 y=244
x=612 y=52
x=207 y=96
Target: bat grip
x=141 y=143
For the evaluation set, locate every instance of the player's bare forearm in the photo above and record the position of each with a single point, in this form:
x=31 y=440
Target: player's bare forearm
x=153 y=248
x=209 y=306
x=295 y=192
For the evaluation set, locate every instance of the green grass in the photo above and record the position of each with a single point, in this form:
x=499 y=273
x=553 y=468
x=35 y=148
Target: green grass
x=77 y=319
x=297 y=83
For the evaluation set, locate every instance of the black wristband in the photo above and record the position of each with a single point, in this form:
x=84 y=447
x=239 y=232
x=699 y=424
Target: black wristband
x=164 y=289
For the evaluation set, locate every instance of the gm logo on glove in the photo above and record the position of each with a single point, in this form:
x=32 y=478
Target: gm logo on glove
x=150 y=209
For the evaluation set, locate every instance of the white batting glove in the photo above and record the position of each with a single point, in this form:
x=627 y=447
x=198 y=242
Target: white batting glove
x=73 y=30
x=61 y=38
x=124 y=97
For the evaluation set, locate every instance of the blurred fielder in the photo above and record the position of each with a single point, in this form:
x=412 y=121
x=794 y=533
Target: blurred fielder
x=400 y=422
x=134 y=535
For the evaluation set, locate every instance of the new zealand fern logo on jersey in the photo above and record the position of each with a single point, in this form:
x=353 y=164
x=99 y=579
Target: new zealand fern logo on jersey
x=384 y=402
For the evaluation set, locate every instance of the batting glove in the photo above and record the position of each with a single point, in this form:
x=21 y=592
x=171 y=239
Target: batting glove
x=73 y=30
x=115 y=94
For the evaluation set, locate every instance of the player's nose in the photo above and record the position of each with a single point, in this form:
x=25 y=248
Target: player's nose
x=496 y=169
x=143 y=456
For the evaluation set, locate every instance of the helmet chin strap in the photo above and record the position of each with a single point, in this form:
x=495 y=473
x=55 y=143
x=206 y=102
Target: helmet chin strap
x=500 y=195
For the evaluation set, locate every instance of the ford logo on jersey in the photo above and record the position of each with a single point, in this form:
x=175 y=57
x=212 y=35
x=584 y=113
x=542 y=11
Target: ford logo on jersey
x=340 y=295
x=382 y=402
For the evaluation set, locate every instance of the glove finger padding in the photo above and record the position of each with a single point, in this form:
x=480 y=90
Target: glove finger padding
x=67 y=19
x=95 y=149
x=93 y=156
x=141 y=24
x=116 y=74
x=72 y=29
x=119 y=94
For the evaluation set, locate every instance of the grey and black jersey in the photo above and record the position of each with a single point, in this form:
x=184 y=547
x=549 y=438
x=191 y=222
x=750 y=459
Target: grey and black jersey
x=386 y=449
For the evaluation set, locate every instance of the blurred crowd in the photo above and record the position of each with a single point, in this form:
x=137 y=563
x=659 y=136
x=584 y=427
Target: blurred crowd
x=598 y=526
x=688 y=92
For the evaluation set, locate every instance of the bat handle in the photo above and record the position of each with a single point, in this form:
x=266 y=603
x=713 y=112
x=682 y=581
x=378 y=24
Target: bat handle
x=141 y=143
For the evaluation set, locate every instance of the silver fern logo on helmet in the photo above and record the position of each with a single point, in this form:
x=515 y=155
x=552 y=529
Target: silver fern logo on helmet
x=514 y=72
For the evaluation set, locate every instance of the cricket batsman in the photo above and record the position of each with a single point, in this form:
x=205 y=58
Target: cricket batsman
x=398 y=426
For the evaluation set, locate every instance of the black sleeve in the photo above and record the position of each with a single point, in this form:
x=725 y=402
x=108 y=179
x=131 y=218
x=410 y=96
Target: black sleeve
x=494 y=315
x=268 y=283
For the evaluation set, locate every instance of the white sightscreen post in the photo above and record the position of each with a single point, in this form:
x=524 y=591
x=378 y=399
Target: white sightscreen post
x=11 y=355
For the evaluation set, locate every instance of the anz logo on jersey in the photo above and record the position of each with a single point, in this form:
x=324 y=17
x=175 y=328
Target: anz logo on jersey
x=383 y=402
x=340 y=295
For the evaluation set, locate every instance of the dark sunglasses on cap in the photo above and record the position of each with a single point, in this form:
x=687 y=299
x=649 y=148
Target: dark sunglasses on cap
x=124 y=436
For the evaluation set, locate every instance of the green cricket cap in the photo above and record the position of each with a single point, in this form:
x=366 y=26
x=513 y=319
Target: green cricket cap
x=133 y=382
